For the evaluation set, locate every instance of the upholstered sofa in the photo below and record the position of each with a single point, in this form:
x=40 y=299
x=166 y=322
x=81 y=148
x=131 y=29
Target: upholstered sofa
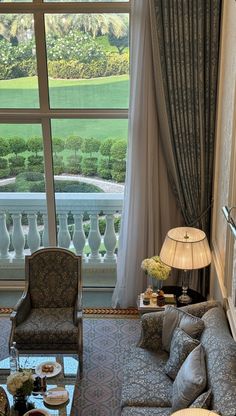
x=147 y=386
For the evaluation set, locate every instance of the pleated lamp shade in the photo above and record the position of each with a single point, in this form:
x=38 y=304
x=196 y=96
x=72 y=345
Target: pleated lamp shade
x=186 y=248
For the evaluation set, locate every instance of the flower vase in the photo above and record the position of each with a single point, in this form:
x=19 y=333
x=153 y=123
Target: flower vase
x=156 y=284
x=20 y=403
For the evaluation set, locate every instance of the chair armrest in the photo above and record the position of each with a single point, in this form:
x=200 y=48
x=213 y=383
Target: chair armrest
x=21 y=309
x=151 y=331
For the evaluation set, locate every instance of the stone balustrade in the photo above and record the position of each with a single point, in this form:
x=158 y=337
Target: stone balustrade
x=33 y=204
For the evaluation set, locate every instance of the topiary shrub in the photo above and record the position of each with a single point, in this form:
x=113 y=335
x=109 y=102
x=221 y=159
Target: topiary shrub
x=35 y=163
x=35 y=160
x=118 y=170
x=74 y=164
x=10 y=187
x=30 y=182
x=4 y=169
x=4 y=173
x=16 y=165
x=104 y=168
x=118 y=176
x=89 y=166
x=74 y=186
x=58 y=169
x=3 y=163
x=31 y=176
x=37 y=187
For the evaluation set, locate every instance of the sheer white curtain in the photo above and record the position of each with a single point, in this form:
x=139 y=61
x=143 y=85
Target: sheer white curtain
x=149 y=206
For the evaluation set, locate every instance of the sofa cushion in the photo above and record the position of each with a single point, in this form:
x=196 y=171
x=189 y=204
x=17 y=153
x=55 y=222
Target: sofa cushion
x=181 y=345
x=220 y=350
x=174 y=318
x=190 y=381
x=146 y=411
x=144 y=380
x=203 y=401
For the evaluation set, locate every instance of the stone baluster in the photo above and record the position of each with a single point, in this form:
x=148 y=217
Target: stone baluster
x=79 y=238
x=4 y=239
x=33 y=238
x=18 y=239
x=94 y=239
x=45 y=230
x=110 y=239
x=64 y=238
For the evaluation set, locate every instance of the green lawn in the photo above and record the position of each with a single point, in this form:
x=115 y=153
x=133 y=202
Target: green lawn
x=107 y=92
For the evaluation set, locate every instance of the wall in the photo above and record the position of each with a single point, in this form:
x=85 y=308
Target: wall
x=224 y=253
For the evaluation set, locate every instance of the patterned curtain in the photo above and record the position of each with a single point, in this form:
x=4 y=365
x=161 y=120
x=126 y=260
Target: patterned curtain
x=186 y=33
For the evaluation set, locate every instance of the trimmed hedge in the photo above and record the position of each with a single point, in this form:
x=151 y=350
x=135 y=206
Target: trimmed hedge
x=72 y=69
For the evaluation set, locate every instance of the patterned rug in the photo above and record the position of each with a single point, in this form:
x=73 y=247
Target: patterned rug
x=105 y=341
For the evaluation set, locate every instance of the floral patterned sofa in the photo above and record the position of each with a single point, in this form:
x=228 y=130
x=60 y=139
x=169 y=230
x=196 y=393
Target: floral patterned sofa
x=148 y=390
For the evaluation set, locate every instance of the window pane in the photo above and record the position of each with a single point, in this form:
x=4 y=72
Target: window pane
x=89 y=167
x=18 y=70
x=88 y=60
x=22 y=191
x=21 y=158
x=91 y=148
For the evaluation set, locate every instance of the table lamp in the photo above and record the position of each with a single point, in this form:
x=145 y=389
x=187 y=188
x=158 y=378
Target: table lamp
x=185 y=248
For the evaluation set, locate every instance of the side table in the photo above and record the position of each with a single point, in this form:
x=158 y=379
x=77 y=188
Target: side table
x=177 y=290
x=153 y=307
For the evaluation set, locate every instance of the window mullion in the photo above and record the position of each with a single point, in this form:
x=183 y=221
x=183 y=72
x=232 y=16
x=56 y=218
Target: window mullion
x=46 y=125
x=41 y=55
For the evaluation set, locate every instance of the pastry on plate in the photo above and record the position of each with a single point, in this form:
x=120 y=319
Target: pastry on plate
x=47 y=368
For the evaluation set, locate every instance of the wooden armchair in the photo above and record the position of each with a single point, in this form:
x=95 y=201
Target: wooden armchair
x=48 y=316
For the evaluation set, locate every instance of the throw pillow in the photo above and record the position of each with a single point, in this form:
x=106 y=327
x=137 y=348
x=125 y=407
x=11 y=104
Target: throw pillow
x=174 y=318
x=190 y=381
x=181 y=346
x=203 y=401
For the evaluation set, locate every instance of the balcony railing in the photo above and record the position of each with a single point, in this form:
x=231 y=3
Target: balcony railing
x=13 y=238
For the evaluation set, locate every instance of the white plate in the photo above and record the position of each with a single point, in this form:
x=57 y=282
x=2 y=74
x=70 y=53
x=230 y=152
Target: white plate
x=56 y=369
x=31 y=412
x=56 y=402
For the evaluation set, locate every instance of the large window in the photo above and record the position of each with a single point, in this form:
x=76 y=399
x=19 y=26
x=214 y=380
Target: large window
x=64 y=88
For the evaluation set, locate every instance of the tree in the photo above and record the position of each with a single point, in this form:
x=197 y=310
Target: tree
x=118 y=150
x=91 y=146
x=35 y=145
x=118 y=154
x=74 y=143
x=4 y=147
x=121 y=42
x=58 y=145
x=105 y=148
x=17 y=145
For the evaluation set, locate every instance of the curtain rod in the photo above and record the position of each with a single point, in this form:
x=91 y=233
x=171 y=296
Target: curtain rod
x=231 y=222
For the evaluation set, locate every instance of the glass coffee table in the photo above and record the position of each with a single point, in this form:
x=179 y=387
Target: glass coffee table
x=67 y=378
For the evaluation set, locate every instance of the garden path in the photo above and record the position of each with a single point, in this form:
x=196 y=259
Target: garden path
x=106 y=186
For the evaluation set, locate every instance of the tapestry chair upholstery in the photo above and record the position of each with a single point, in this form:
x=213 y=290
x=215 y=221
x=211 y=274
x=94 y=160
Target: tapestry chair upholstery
x=48 y=316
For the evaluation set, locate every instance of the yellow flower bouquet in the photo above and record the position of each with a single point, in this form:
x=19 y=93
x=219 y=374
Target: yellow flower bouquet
x=154 y=267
